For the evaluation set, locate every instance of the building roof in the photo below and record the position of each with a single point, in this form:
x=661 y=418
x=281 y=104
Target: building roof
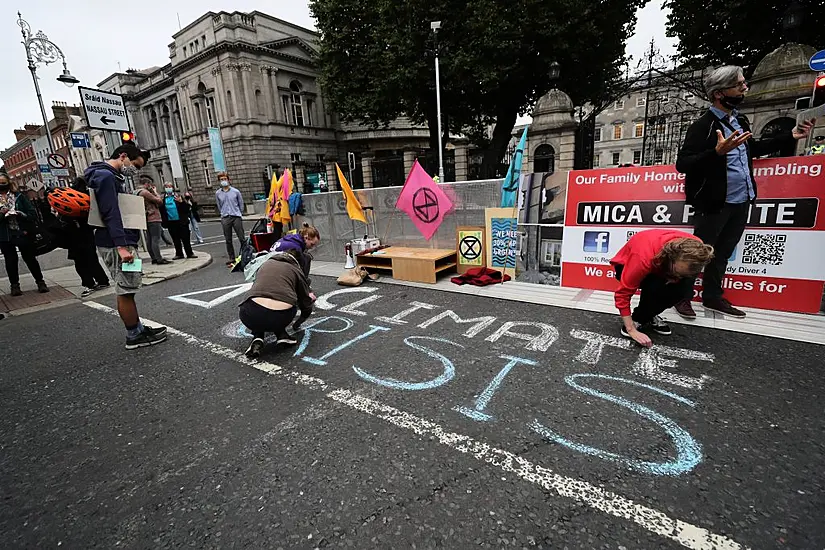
x=787 y=58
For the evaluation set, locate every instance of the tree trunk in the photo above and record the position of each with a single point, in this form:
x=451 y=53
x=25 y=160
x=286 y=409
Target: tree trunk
x=502 y=134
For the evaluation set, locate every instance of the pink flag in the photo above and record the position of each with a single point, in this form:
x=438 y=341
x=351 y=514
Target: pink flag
x=423 y=201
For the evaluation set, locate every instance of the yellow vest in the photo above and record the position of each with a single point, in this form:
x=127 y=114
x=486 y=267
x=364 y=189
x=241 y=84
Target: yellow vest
x=818 y=149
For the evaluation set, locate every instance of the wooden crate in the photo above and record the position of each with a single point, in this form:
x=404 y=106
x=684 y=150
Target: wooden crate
x=410 y=264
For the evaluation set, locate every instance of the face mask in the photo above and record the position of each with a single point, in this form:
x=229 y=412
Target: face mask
x=731 y=102
x=168 y=190
x=224 y=183
x=129 y=171
x=4 y=188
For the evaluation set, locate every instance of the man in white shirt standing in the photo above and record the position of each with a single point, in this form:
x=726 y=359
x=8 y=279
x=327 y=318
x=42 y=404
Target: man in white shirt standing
x=231 y=207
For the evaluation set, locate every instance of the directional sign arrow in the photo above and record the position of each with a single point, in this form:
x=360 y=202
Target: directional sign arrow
x=106 y=120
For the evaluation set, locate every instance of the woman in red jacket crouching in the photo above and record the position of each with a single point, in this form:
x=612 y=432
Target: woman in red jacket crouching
x=662 y=263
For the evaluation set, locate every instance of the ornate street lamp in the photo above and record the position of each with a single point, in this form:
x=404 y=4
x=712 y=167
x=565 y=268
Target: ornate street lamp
x=39 y=49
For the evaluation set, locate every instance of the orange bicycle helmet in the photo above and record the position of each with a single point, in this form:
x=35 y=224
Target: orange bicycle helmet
x=68 y=202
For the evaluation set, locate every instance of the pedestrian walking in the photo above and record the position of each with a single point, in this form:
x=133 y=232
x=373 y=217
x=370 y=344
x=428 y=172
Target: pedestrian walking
x=117 y=245
x=279 y=291
x=79 y=236
x=17 y=226
x=717 y=160
x=231 y=208
x=663 y=263
x=175 y=218
x=154 y=228
x=194 y=216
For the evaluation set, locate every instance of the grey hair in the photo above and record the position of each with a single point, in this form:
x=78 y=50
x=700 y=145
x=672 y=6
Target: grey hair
x=722 y=78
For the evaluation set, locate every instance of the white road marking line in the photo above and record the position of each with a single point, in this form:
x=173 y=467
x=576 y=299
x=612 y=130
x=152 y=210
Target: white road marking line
x=686 y=534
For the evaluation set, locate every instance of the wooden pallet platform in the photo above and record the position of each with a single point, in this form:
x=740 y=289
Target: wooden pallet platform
x=421 y=265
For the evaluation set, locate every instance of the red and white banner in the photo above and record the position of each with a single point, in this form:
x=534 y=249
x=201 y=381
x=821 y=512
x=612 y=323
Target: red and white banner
x=779 y=264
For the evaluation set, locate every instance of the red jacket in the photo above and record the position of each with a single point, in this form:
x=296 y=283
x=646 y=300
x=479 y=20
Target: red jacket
x=637 y=258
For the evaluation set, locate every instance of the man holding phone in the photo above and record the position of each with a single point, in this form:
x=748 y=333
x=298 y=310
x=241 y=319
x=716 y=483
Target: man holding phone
x=117 y=245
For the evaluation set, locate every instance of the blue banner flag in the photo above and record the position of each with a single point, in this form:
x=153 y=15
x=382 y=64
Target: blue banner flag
x=216 y=145
x=509 y=188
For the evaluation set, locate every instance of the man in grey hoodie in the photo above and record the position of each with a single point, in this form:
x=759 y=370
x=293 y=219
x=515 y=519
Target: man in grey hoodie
x=117 y=245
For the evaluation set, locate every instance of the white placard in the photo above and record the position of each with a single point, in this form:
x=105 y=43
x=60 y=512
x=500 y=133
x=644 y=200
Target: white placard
x=174 y=158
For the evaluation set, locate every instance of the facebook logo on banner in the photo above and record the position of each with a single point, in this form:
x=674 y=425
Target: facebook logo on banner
x=596 y=241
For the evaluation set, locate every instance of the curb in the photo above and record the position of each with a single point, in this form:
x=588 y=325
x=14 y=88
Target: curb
x=97 y=295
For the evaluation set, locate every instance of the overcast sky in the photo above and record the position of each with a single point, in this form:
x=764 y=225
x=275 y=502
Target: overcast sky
x=98 y=41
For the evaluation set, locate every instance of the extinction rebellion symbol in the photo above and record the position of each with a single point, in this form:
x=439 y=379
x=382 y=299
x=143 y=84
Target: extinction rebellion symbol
x=425 y=205
x=470 y=247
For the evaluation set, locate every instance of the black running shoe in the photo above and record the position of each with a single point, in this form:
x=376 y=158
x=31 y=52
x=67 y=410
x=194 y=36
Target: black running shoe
x=144 y=339
x=254 y=349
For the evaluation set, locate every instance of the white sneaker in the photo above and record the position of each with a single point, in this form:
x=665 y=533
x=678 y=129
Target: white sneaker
x=87 y=292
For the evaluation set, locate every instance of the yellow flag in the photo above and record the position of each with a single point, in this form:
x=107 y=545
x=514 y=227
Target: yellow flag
x=286 y=191
x=354 y=209
x=272 y=198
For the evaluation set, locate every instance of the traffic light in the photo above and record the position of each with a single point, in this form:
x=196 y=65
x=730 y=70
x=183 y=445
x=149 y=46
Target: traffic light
x=818 y=97
x=127 y=136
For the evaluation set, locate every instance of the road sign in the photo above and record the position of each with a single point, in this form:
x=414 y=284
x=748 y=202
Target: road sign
x=34 y=185
x=44 y=168
x=57 y=160
x=80 y=140
x=60 y=172
x=104 y=110
x=817 y=62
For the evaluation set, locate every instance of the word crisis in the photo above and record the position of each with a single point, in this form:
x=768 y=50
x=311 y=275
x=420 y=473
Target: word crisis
x=656 y=364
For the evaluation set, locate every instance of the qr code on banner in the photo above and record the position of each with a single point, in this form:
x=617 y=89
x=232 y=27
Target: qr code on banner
x=630 y=234
x=764 y=249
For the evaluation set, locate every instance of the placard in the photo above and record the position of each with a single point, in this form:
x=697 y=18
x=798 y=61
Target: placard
x=777 y=265
x=132 y=211
x=502 y=238
x=470 y=248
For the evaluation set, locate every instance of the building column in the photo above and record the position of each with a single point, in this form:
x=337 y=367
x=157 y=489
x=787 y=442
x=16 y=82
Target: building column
x=220 y=101
x=409 y=160
x=266 y=76
x=276 y=98
x=332 y=177
x=188 y=115
x=462 y=162
x=366 y=170
x=248 y=92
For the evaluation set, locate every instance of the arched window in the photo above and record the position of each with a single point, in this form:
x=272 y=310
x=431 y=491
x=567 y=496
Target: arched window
x=776 y=127
x=229 y=105
x=544 y=159
x=297 y=103
x=259 y=102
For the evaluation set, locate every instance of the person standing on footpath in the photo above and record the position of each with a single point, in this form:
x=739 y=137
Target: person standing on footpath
x=17 y=215
x=231 y=207
x=194 y=216
x=717 y=160
x=117 y=245
x=175 y=216
x=154 y=227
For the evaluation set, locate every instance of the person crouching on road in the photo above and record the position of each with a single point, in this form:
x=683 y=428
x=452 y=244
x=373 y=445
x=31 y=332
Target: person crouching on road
x=304 y=240
x=175 y=216
x=662 y=263
x=280 y=289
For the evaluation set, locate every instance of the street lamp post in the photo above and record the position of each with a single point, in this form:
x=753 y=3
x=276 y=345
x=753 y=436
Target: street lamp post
x=39 y=49
x=435 y=26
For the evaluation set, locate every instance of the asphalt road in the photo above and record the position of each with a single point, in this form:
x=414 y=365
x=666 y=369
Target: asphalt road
x=395 y=426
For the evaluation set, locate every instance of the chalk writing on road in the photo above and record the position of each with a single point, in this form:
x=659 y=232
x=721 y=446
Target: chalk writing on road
x=655 y=365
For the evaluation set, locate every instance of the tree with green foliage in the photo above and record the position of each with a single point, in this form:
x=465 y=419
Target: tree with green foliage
x=742 y=32
x=376 y=59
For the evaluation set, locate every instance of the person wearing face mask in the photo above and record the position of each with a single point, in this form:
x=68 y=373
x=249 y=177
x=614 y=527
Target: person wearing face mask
x=231 y=207
x=118 y=245
x=175 y=214
x=17 y=216
x=717 y=160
